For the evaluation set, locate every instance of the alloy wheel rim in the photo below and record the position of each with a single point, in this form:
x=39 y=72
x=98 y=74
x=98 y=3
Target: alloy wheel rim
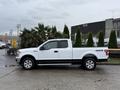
x=28 y=64
x=90 y=64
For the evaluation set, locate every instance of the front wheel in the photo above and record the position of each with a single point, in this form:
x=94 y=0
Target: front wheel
x=28 y=63
x=89 y=64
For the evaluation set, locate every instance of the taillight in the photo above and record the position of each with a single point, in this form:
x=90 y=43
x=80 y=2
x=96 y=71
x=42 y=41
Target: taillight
x=107 y=52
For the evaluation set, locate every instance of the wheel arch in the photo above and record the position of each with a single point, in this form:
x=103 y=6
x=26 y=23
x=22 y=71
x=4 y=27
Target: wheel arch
x=90 y=56
x=28 y=55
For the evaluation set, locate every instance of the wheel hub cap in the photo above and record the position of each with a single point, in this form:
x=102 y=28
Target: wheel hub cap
x=28 y=64
x=90 y=64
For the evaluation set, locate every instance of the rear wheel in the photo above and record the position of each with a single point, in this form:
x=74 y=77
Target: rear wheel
x=28 y=63
x=89 y=64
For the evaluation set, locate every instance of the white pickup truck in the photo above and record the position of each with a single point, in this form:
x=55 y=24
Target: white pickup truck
x=59 y=51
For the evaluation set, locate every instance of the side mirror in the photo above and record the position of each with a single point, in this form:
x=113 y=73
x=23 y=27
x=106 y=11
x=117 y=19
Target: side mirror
x=42 y=48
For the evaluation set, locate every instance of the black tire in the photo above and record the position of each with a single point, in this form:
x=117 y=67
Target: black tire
x=28 y=63
x=89 y=64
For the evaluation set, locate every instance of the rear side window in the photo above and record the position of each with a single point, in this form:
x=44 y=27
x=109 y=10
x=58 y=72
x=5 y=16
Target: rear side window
x=63 y=44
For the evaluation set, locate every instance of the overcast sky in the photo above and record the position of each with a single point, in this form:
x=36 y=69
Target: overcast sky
x=55 y=12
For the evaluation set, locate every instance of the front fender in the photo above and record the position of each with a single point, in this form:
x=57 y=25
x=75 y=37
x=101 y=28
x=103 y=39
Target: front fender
x=35 y=55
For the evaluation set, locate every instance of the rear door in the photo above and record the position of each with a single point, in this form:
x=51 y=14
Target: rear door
x=64 y=51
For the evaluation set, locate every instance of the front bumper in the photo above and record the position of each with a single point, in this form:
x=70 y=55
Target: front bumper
x=17 y=59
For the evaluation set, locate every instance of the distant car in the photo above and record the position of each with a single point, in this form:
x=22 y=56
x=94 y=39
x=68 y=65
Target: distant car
x=2 y=45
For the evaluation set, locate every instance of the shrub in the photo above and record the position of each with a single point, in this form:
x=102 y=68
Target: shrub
x=78 y=40
x=100 y=39
x=90 y=42
x=112 y=40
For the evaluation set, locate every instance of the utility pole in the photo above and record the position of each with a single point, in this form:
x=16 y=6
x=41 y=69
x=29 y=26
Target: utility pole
x=11 y=32
x=10 y=35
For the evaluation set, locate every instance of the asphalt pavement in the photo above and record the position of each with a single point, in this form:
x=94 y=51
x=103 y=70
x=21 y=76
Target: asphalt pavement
x=13 y=77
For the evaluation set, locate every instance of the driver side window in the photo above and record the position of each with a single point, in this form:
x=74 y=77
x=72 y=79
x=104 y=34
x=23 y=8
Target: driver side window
x=50 y=45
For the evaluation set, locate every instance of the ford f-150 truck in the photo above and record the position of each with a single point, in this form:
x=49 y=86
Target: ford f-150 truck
x=59 y=51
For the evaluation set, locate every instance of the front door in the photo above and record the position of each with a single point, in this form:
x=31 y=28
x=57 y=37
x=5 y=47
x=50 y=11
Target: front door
x=49 y=51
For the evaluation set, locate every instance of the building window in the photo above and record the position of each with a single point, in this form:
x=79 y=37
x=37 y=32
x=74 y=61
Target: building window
x=118 y=33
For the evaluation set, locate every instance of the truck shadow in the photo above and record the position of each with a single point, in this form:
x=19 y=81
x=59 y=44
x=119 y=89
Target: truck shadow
x=57 y=67
x=65 y=69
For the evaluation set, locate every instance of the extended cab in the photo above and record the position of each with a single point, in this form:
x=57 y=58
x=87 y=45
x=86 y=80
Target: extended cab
x=61 y=51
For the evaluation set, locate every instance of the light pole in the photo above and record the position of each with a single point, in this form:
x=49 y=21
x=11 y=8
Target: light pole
x=18 y=34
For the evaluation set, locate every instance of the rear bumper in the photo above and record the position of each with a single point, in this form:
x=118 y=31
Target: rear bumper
x=102 y=60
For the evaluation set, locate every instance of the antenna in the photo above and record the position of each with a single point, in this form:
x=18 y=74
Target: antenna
x=113 y=13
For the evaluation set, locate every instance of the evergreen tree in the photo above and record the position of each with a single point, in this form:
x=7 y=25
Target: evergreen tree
x=58 y=35
x=66 y=32
x=54 y=29
x=112 y=40
x=90 y=42
x=78 y=41
x=100 y=39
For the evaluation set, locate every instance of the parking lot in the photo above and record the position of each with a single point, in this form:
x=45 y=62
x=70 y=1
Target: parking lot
x=13 y=77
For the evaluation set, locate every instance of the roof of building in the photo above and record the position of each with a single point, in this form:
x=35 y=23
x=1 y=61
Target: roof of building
x=94 y=27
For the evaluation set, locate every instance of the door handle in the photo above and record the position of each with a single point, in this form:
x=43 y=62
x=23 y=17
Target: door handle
x=55 y=51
